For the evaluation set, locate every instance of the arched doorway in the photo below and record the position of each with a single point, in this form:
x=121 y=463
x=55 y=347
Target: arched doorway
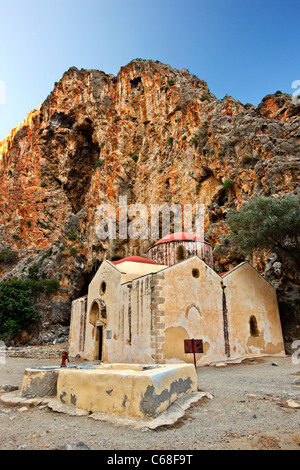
x=98 y=318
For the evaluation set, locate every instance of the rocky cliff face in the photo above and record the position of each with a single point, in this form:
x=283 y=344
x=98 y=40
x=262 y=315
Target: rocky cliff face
x=75 y=153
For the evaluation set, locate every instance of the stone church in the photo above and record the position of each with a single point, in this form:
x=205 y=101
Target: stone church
x=140 y=310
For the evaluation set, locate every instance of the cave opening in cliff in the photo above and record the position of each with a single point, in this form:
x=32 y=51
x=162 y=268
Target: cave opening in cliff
x=72 y=144
x=135 y=82
x=85 y=279
x=82 y=164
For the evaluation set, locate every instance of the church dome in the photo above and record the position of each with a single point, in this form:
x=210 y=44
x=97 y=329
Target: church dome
x=134 y=259
x=179 y=246
x=179 y=236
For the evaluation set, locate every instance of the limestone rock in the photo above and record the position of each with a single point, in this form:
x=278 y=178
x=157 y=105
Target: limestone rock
x=74 y=446
x=75 y=153
x=291 y=404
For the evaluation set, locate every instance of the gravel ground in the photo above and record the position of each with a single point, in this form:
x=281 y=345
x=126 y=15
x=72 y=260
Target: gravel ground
x=249 y=411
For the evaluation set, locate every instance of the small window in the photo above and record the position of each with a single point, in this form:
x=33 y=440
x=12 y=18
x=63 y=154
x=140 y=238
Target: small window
x=253 y=326
x=181 y=253
x=195 y=273
x=103 y=288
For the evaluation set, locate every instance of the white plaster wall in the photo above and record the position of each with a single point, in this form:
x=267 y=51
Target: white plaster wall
x=247 y=294
x=141 y=320
x=76 y=326
x=112 y=277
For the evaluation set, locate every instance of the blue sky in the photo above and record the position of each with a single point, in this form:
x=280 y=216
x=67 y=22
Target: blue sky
x=244 y=48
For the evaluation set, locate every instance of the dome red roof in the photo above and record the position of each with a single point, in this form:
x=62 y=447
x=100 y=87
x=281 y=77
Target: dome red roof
x=134 y=259
x=180 y=236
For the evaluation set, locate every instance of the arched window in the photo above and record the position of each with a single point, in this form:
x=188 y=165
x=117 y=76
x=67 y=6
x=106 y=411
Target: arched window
x=196 y=273
x=98 y=312
x=95 y=313
x=181 y=253
x=103 y=288
x=253 y=326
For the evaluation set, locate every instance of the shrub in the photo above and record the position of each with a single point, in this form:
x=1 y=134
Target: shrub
x=205 y=98
x=51 y=286
x=43 y=184
x=16 y=310
x=170 y=141
x=194 y=140
x=117 y=118
x=135 y=157
x=171 y=82
x=28 y=223
x=33 y=272
x=6 y=256
x=34 y=286
x=228 y=184
x=73 y=252
x=73 y=236
x=266 y=223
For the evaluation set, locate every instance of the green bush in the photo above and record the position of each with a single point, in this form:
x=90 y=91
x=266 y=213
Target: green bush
x=33 y=272
x=171 y=82
x=16 y=310
x=135 y=157
x=6 y=256
x=73 y=252
x=170 y=141
x=228 y=184
x=34 y=286
x=73 y=236
x=266 y=223
x=50 y=286
x=205 y=98
x=43 y=184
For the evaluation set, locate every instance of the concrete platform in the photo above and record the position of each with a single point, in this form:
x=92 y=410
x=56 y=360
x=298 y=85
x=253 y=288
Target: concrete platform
x=133 y=390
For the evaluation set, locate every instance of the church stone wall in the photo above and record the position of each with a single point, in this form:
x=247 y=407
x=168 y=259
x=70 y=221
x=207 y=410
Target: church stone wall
x=187 y=303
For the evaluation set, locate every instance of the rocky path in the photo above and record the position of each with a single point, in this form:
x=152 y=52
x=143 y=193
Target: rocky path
x=255 y=405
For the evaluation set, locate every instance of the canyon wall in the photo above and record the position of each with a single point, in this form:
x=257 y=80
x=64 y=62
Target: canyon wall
x=155 y=135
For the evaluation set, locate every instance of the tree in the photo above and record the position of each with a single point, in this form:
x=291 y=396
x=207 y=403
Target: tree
x=16 y=310
x=267 y=223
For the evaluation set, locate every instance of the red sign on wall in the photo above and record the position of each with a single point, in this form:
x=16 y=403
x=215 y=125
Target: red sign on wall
x=193 y=346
